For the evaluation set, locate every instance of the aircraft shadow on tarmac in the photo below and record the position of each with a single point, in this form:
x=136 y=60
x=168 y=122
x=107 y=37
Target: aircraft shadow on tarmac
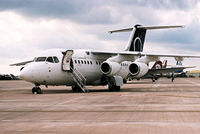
x=131 y=89
x=152 y=87
x=58 y=91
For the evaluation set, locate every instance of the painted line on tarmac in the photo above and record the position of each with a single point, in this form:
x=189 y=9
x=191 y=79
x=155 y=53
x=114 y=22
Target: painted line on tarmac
x=184 y=96
x=93 y=111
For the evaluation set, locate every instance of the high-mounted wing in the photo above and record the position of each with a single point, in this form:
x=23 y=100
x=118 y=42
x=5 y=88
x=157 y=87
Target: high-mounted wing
x=133 y=55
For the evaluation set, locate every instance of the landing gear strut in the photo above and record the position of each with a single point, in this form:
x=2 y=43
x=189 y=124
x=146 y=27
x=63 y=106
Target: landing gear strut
x=114 y=83
x=173 y=77
x=37 y=90
x=153 y=80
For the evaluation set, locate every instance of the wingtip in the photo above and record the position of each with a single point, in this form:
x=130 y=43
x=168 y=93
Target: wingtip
x=182 y=26
x=11 y=64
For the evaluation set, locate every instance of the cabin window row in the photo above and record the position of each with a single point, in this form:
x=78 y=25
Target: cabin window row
x=124 y=64
x=86 y=62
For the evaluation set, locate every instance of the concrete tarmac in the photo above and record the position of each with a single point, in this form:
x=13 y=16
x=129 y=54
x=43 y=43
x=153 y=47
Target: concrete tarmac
x=140 y=107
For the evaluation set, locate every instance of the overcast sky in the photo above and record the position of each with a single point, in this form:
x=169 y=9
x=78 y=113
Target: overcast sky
x=28 y=27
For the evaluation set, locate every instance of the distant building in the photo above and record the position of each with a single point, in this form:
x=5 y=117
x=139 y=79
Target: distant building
x=193 y=73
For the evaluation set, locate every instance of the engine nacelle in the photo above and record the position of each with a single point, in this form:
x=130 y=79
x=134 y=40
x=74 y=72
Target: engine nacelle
x=110 y=68
x=138 y=69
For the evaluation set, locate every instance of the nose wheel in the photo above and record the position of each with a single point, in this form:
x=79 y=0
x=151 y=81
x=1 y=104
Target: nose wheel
x=36 y=90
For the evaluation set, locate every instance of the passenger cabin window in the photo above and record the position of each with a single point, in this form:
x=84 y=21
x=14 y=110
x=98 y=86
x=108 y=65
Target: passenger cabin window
x=50 y=59
x=56 y=59
x=40 y=59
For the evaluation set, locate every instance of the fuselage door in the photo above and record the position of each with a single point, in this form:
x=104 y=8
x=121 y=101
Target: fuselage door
x=67 y=60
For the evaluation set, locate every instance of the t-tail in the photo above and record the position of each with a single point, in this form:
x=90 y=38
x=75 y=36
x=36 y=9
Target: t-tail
x=137 y=37
x=157 y=65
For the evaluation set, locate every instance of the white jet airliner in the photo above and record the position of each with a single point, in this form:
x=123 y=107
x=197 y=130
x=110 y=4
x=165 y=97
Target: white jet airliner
x=80 y=67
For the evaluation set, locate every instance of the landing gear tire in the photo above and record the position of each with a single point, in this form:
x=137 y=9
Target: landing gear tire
x=113 y=88
x=37 y=90
x=76 y=88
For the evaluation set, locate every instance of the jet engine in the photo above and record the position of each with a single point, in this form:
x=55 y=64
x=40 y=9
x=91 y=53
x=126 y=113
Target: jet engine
x=110 y=68
x=138 y=69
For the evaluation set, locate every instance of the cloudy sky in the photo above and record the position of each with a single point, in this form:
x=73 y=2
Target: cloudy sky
x=28 y=27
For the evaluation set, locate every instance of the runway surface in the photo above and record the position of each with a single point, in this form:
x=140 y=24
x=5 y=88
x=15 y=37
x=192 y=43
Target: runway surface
x=140 y=107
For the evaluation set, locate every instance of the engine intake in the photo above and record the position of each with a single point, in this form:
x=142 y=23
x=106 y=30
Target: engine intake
x=110 y=68
x=134 y=69
x=138 y=69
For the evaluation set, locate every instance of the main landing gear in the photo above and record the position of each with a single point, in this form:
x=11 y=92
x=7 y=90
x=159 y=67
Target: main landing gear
x=113 y=88
x=37 y=90
x=76 y=88
x=114 y=83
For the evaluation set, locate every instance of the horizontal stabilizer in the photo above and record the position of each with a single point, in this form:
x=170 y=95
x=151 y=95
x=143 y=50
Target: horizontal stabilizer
x=121 y=30
x=159 y=27
x=146 y=27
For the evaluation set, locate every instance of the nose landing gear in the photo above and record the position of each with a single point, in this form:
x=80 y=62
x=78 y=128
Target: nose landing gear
x=37 y=90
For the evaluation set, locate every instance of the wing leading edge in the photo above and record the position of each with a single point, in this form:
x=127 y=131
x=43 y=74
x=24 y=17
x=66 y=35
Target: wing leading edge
x=139 y=54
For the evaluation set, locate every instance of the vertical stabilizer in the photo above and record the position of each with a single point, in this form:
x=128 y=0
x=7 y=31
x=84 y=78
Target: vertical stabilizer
x=136 y=39
x=157 y=65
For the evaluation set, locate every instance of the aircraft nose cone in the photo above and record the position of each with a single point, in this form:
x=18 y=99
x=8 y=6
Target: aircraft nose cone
x=24 y=74
x=21 y=75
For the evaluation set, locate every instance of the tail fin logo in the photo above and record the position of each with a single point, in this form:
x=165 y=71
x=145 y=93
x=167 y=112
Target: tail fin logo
x=137 y=44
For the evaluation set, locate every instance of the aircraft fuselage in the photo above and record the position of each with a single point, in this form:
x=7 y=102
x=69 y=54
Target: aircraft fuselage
x=51 y=73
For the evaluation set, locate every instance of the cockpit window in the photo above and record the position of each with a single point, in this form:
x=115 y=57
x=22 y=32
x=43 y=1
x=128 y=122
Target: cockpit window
x=55 y=59
x=50 y=59
x=39 y=59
